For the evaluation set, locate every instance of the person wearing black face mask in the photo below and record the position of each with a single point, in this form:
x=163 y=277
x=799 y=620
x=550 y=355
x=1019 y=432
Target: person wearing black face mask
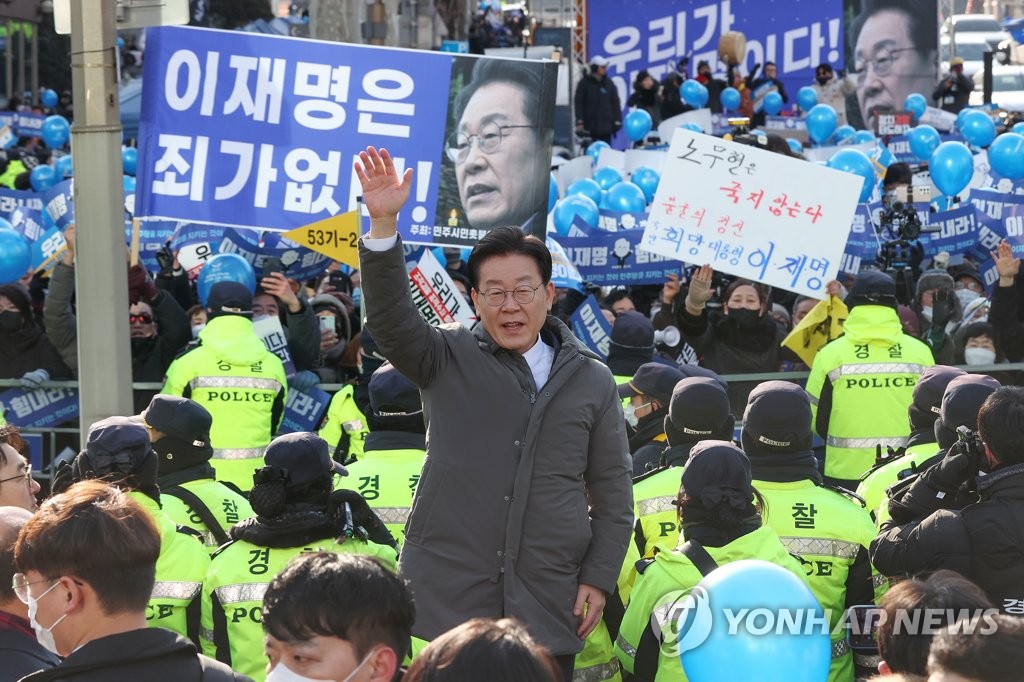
x=27 y=354
x=744 y=339
x=833 y=91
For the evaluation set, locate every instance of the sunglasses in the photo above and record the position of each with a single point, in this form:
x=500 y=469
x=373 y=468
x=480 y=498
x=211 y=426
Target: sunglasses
x=142 y=318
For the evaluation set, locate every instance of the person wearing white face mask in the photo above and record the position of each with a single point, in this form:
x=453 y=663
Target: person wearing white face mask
x=978 y=345
x=336 y=618
x=87 y=566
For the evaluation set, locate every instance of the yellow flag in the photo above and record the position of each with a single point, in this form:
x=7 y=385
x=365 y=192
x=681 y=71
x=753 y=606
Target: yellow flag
x=336 y=237
x=822 y=324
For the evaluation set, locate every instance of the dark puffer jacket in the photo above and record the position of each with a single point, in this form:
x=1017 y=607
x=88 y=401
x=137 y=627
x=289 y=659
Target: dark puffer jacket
x=983 y=541
x=28 y=348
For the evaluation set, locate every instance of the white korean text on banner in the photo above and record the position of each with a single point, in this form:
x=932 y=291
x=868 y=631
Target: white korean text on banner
x=271 y=332
x=752 y=213
x=257 y=131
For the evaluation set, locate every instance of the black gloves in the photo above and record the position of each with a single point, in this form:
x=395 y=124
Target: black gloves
x=943 y=307
x=364 y=523
x=62 y=478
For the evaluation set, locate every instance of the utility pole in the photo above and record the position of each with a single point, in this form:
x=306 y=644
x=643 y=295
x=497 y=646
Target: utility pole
x=104 y=349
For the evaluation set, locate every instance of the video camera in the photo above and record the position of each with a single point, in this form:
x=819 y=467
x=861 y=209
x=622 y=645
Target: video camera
x=900 y=227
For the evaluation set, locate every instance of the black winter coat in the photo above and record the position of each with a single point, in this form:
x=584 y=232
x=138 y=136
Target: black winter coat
x=983 y=541
x=150 y=654
x=598 y=106
x=22 y=655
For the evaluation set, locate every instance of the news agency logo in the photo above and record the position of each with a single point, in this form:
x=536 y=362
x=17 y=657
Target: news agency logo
x=686 y=618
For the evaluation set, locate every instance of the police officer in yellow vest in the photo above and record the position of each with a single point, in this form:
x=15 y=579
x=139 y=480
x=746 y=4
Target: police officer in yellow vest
x=118 y=451
x=180 y=431
x=648 y=392
x=345 y=428
x=720 y=525
x=233 y=375
x=296 y=511
x=387 y=474
x=829 y=530
x=923 y=412
x=699 y=410
x=861 y=384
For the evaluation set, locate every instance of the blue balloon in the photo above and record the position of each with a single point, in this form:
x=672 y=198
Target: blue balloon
x=625 y=196
x=951 y=166
x=48 y=98
x=1018 y=128
x=603 y=204
x=594 y=150
x=128 y=182
x=844 y=132
x=978 y=128
x=575 y=206
x=552 y=192
x=15 y=255
x=730 y=99
x=607 y=176
x=1006 y=155
x=694 y=93
x=647 y=179
x=130 y=160
x=772 y=103
x=916 y=104
x=719 y=643
x=693 y=127
x=64 y=167
x=637 y=124
x=794 y=145
x=42 y=177
x=923 y=140
x=807 y=97
x=863 y=137
x=588 y=187
x=224 y=267
x=56 y=131
x=821 y=122
x=857 y=162
x=120 y=43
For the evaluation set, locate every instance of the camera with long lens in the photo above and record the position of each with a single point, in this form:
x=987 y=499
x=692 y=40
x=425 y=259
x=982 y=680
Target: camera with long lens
x=900 y=227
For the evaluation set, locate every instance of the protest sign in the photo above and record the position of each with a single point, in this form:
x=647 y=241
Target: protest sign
x=434 y=294
x=58 y=203
x=650 y=158
x=894 y=123
x=590 y=326
x=11 y=199
x=861 y=244
x=259 y=131
x=40 y=407
x=752 y=213
x=303 y=410
x=272 y=334
x=618 y=259
x=564 y=274
x=255 y=246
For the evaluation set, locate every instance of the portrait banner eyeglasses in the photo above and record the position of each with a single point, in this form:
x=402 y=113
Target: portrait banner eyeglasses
x=488 y=140
x=523 y=295
x=881 y=63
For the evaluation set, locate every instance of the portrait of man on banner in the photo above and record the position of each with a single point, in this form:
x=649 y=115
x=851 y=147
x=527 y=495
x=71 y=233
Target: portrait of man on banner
x=891 y=52
x=497 y=152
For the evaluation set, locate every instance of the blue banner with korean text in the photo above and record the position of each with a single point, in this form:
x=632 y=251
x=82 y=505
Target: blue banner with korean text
x=40 y=407
x=613 y=259
x=257 y=131
x=303 y=410
x=590 y=326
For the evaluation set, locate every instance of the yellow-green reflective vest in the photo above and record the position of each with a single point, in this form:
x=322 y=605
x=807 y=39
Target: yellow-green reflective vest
x=226 y=506
x=242 y=384
x=180 y=571
x=870 y=372
x=232 y=617
x=827 y=530
x=387 y=480
x=343 y=417
x=659 y=586
x=873 y=486
x=597 y=662
x=657 y=518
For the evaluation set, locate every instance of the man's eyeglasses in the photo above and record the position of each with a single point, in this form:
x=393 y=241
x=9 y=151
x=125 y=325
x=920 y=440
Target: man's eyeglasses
x=141 y=318
x=522 y=295
x=488 y=140
x=881 y=62
x=20 y=584
x=25 y=475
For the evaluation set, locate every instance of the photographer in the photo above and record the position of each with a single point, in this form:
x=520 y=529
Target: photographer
x=983 y=541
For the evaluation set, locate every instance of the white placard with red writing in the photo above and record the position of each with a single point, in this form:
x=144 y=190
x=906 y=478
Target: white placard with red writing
x=435 y=295
x=752 y=213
